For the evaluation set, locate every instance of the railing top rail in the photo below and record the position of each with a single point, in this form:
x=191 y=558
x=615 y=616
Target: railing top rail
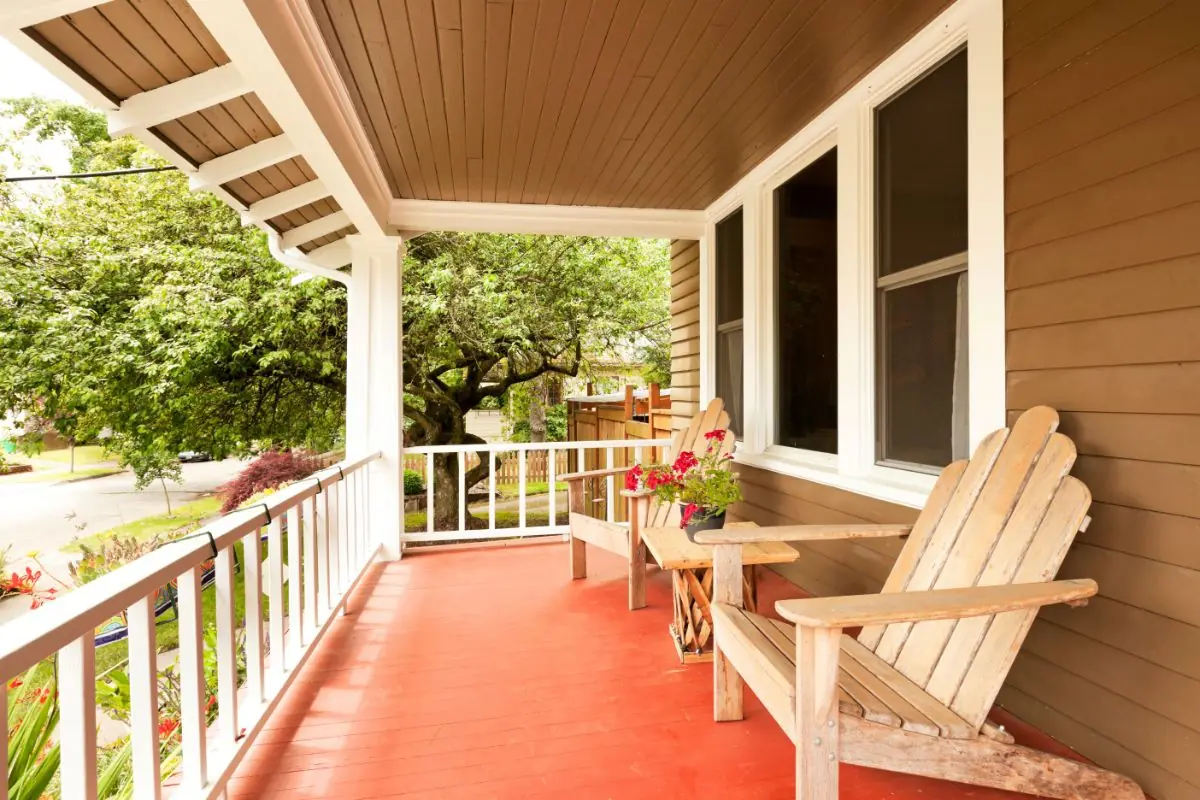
x=511 y=447
x=29 y=639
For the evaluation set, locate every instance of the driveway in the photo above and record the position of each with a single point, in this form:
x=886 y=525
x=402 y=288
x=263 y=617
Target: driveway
x=44 y=517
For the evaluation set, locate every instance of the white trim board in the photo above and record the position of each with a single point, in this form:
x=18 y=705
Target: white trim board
x=848 y=125
x=548 y=219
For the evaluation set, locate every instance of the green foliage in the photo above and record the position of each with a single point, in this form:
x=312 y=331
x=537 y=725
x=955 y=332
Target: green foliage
x=149 y=461
x=556 y=425
x=414 y=484
x=109 y=554
x=33 y=756
x=135 y=305
x=703 y=483
x=51 y=119
x=655 y=353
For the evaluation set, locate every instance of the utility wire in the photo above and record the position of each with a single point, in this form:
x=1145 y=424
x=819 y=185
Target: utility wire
x=113 y=173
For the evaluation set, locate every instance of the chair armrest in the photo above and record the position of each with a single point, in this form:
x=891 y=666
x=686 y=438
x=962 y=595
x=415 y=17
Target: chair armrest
x=800 y=533
x=595 y=473
x=977 y=601
x=634 y=494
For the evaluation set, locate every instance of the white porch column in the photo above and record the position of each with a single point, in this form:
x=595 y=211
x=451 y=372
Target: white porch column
x=374 y=378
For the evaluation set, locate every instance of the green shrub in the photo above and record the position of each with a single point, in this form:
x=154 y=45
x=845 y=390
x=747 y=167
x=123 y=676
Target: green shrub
x=413 y=483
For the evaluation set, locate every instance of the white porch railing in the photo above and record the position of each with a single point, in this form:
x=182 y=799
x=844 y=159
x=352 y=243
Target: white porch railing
x=553 y=460
x=327 y=550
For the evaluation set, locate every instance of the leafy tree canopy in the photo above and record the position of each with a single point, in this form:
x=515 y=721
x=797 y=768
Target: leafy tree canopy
x=132 y=304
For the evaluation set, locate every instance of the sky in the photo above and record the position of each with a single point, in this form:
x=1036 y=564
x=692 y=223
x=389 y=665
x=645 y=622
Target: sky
x=21 y=76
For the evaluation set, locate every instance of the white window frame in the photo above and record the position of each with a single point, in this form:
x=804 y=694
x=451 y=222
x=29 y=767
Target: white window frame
x=848 y=125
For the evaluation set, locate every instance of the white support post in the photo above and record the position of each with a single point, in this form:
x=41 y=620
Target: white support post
x=375 y=383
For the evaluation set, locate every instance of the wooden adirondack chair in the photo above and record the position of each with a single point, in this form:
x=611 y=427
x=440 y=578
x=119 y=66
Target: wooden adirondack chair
x=912 y=693
x=625 y=539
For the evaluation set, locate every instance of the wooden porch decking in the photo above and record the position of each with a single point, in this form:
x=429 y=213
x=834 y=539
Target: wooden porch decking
x=487 y=673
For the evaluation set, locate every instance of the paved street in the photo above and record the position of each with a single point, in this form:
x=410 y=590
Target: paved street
x=44 y=517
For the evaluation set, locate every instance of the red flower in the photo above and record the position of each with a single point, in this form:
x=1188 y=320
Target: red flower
x=632 y=477
x=689 y=511
x=657 y=478
x=718 y=434
x=685 y=461
x=16 y=683
x=167 y=727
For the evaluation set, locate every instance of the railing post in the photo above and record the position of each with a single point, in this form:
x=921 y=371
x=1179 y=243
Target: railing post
x=491 y=462
x=522 y=471
x=252 y=564
x=462 y=490
x=311 y=559
x=77 y=717
x=227 y=675
x=430 y=480
x=143 y=701
x=191 y=681
x=552 y=477
x=275 y=610
x=295 y=580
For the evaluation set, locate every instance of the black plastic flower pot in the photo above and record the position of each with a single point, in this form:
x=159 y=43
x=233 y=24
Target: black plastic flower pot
x=702 y=521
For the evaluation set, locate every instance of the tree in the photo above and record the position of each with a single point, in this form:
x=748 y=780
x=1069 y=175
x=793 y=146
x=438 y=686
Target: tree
x=484 y=313
x=133 y=304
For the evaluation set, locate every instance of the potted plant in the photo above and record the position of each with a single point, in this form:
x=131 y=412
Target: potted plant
x=704 y=486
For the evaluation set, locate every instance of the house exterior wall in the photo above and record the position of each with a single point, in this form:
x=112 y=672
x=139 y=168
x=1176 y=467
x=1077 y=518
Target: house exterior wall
x=1102 y=208
x=685 y=331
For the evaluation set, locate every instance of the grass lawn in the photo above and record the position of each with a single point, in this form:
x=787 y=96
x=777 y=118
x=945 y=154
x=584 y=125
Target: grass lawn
x=61 y=475
x=84 y=455
x=149 y=527
x=531 y=488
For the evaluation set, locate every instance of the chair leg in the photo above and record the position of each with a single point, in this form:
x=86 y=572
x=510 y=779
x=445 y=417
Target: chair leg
x=637 y=576
x=817 y=729
x=728 y=694
x=578 y=549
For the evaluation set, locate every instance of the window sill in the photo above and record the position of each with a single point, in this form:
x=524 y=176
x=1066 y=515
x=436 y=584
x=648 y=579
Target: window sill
x=897 y=486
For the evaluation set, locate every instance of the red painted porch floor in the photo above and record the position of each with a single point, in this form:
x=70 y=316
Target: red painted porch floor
x=487 y=673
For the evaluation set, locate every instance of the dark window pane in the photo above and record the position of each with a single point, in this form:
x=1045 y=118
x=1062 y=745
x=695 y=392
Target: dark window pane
x=729 y=268
x=806 y=307
x=729 y=375
x=922 y=170
x=923 y=408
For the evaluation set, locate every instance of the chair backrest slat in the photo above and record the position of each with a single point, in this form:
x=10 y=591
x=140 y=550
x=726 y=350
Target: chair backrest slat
x=1006 y=516
x=714 y=417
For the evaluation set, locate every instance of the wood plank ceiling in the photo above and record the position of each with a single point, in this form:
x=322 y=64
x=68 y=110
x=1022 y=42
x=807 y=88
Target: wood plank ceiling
x=634 y=103
x=126 y=47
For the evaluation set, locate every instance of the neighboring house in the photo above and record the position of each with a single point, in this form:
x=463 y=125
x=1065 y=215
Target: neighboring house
x=894 y=225
x=487 y=424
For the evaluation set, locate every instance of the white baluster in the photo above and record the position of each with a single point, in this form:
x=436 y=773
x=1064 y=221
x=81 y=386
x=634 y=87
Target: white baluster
x=276 y=613
x=143 y=700
x=77 y=717
x=252 y=567
x=192 y=691
x=227 y=676
x=491 y=462
x=312 y=618
x=327 y=549
x=343 y=536
x=522 y=471
x=295 y=580
x=429 y=487
x=552 y=477
x=610 y=485
x=462 y=490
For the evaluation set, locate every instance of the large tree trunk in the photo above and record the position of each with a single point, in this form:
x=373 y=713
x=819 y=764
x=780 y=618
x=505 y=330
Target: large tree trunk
x=446 y=494
x=537 y=411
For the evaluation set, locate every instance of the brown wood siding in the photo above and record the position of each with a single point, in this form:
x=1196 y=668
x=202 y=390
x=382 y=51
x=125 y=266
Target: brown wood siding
x=1103 y=318
x=641 y=103
x=685 y=331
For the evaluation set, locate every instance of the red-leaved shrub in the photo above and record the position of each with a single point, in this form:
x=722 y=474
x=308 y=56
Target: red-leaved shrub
x=269 y=471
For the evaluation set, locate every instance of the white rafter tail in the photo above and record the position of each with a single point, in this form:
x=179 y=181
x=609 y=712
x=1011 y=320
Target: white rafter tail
x=442 y=215
x=176 y=100
x=234 y=27
x=298 y=197
x=303 y=265
x=17 y=14
x=246 y=161
x=334 y=255
x=324 y=226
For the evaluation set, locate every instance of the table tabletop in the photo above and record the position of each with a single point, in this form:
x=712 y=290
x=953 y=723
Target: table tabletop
x=673 y=550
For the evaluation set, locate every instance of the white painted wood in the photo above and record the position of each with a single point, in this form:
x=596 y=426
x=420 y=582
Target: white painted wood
x=253 y=586
x=491 y=462
x=16 y=14
x=227 y=673
x=77 y=718
x=276 y=614
x=552 y=476
x=235 y=29
x=312 y=619
x=325 y=548
x=352 y=523
x=462 y=491
x=240 y=163
x=334 y=529
x=191 y=682
x=324 y=226
x=143 y=700
x=285 y=201
x=178 y=99
x=547 y=219
x=343 y=535
x=521 y=481
x=334 y=255
x=610 y=487
x=708 y=312
x=295 y=580
x=430 y=482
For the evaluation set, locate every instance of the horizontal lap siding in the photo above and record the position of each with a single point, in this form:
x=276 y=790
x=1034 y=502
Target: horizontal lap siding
x=1103 y=318
x=685 y=331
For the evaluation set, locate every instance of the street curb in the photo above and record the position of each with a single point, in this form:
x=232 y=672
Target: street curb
x=88 y=477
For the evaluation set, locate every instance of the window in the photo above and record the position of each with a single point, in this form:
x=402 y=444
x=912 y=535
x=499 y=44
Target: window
x=921 y=271
x=729 y=317
x=806 y=280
